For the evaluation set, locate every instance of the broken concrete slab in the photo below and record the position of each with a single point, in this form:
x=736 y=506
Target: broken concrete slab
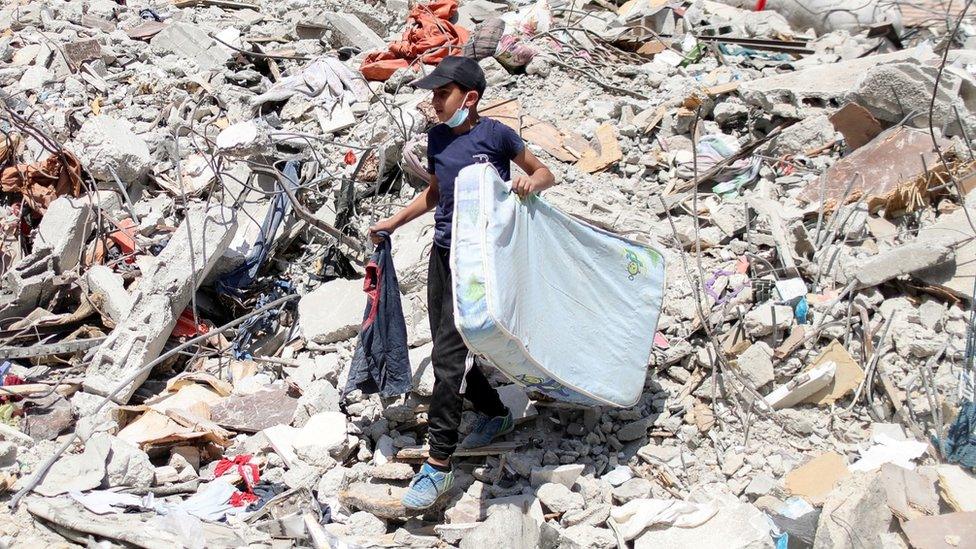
x=810 y=134
x=52 y=417
x=506 y=526
x=325 y=433
x=558 y=498
x=252 y=413
x=127 y=465
x=382 y=500
x=894 y=91
x=116 y=301
x=958 y=488
x=107 y=146
x=736 y=524
x=635 y=488
x=562 y=474
x=84 y=471
x=133 y=530
x=910 y=494
x=392 y=471
x=763 y=320
x=35 y=78
x=28 y=283
x=586 y=536
x=190 y=43
x=791 y=94
x=594 y=515
x=163 y=294
x=333 y=312
x=902 y=260
x=856 y=514
x=64 y=229
x=353 y=32
x=956 y=275
x=61 y=235
x=756 y=364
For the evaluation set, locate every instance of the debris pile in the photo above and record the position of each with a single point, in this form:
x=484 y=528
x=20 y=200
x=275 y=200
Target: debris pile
x=187 y=188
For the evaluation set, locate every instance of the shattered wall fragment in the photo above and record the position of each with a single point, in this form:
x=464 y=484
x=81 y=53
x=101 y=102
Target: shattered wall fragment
x=159 y=300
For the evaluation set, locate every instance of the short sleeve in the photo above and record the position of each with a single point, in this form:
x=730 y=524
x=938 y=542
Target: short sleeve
x=434 y=146
x=509 y=142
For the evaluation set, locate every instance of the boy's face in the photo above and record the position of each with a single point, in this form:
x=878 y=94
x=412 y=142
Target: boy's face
x=448 y=99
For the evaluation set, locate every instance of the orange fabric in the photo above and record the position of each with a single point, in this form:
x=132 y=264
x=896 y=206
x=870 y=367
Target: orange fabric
x=429 y=37
x=41 y=183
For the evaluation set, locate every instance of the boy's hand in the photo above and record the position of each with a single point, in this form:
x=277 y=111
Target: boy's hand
x=383 y=225
x=523 y=185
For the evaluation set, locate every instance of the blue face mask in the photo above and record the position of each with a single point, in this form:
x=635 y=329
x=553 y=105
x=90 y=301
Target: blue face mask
x=459 y=116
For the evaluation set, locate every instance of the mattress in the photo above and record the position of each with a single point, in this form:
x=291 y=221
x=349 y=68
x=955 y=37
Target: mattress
x=561 y=307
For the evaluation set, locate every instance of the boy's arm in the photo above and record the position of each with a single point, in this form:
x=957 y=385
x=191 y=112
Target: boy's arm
x=421 y=204
x=539 y=177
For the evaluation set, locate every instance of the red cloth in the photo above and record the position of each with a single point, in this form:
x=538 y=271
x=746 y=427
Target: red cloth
x=241 y=499
x=760 y=5
x=429 y=37
x=11 y=379
x=243 y=466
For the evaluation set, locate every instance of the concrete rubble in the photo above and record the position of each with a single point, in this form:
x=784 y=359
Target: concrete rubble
x=187 y=188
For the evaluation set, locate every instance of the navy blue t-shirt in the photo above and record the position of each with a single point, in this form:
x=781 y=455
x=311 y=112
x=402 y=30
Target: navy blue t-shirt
x=448 y=154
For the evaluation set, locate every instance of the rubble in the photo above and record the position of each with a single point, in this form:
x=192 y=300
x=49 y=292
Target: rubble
x=109 y=149
x=905 y=259
x=187 y=193
x=158 y=301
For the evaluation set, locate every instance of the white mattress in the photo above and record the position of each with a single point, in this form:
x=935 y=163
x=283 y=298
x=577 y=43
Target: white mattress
x=561 y=307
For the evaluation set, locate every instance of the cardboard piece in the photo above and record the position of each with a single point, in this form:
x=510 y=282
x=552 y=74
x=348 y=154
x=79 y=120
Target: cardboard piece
x=155 y=429
x=506 y=111
x=958 y=488
x=216 y=384
x=192 y=398
x=566 y=147
x=609 y=154
x=648 y=119
x=817 y=477
x=652 y=48
x=847 y=376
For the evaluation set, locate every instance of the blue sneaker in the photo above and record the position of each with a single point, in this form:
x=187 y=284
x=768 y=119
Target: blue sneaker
x=487 y=429
x=428 y=485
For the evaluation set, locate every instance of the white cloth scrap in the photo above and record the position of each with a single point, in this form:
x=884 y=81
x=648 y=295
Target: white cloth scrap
x=637 y=515
x=103 y=502
x=889 y=450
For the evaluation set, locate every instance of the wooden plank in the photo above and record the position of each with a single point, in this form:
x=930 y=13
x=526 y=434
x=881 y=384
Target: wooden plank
x=924 y=13
x=421 y=452
x=722 y=89
x=34 y=389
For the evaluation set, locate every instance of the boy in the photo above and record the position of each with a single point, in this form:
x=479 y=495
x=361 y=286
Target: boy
x=462 y=139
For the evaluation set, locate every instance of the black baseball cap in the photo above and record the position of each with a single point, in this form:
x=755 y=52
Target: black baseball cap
x=463 y=71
